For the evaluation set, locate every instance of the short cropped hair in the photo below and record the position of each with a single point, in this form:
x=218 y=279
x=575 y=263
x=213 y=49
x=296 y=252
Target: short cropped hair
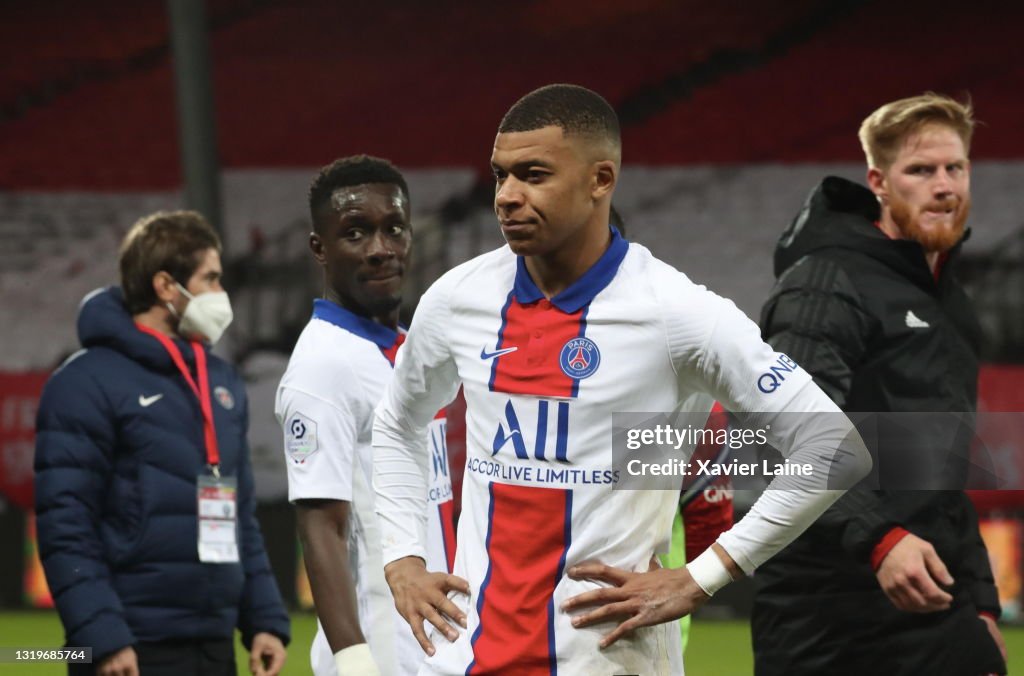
x=171 y=241
x=884 y=130
x=577 y=110
x=347 y=172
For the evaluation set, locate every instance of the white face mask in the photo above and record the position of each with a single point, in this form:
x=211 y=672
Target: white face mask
x=207 y=315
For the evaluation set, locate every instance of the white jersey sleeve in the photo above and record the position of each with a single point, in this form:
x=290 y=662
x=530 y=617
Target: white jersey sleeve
x=425 y=381
x=319 y=439
x=715 y=345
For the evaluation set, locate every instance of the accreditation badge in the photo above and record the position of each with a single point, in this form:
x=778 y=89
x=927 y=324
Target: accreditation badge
x=218 y=519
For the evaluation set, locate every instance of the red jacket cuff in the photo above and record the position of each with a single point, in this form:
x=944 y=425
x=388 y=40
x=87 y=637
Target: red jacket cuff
x=885 y=545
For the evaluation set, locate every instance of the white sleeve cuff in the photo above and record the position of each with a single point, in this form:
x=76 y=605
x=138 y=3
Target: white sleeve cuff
x=708 y=571
x=355 y=660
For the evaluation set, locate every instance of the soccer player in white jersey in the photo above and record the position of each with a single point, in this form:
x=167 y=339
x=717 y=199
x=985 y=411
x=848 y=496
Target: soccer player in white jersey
x=549 y=336
x=336 y=376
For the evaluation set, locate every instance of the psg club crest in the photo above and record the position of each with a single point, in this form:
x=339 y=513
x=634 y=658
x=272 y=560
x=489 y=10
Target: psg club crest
x=580 y=358
x=223 y=396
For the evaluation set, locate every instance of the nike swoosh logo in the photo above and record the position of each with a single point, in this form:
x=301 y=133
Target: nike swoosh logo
x=149 y=401
x=485 y=355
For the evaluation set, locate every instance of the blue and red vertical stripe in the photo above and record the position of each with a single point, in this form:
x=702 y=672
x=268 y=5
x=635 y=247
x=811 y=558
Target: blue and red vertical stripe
x=528 y=537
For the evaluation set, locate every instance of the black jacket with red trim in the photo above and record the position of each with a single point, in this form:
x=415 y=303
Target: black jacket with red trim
x=865 y=316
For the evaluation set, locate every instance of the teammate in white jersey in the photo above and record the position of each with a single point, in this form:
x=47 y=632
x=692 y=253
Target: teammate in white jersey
x=336 y=376
x=549 y=337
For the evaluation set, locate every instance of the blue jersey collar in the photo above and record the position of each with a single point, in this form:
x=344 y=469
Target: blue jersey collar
x=584 y=289
x=373 y=331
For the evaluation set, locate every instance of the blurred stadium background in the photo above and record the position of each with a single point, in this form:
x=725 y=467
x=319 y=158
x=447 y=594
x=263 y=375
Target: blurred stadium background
x=731 y=112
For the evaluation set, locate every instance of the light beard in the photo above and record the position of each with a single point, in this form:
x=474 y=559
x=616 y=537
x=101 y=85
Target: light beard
x=932 y=240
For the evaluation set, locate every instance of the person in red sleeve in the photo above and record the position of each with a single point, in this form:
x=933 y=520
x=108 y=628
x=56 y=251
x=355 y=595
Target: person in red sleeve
x=706 y=515
x=705 y=510
x=887 y=581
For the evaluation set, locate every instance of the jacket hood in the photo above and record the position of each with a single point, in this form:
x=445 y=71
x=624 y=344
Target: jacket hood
x=842 y=214
x=104 y=321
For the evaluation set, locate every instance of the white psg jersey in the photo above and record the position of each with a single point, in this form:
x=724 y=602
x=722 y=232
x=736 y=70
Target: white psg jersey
x=541 y=379
x=335 y=377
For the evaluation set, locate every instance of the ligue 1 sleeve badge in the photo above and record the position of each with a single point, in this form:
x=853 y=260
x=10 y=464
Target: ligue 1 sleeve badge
x=300 y=439
x=580 y=358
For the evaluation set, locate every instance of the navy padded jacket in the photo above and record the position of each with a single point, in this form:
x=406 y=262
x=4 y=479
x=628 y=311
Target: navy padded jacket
x=115 y=494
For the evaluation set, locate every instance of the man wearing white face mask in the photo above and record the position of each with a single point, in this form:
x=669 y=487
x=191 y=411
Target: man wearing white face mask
x=207 y=316
x=144 y=489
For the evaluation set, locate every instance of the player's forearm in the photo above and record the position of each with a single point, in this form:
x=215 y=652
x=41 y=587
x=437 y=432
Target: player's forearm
x=819 y=437
x=401 y=505
x=325 y=552
x=400 y=484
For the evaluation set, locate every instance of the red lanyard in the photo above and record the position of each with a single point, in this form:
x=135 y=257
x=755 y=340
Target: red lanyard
x=202 y=391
